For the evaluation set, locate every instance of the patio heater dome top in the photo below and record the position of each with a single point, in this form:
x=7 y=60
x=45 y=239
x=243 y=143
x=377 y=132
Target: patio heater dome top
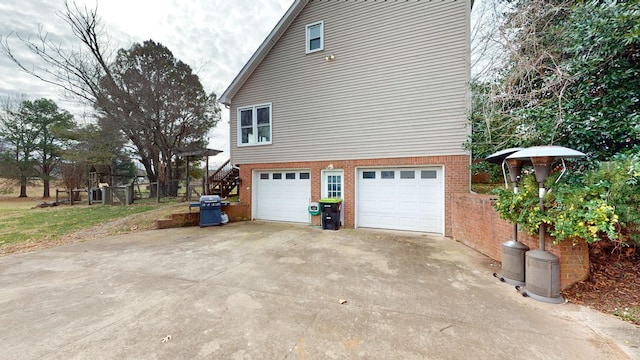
x=514 y=165
x=499 y=156
x=546 y=151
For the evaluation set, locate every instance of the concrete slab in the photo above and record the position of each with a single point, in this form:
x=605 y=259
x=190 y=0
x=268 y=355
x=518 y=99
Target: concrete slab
x=258 y=290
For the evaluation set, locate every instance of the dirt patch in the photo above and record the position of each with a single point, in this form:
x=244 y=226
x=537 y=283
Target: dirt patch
x=14 y=201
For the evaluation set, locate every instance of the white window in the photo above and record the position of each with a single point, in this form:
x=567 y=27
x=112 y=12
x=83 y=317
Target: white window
x=254 y=125
x=333 y=185
x=315 y=37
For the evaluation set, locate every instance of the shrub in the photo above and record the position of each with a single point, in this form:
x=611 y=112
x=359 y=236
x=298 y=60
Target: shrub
x=599 y=204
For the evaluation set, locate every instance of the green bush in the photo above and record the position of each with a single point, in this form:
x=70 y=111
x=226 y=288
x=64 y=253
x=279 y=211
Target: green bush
x=599 y=204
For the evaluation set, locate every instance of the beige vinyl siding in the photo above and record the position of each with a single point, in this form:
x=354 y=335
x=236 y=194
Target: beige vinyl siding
x=398 y=86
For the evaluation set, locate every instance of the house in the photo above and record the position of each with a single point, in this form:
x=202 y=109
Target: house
x=362 y=100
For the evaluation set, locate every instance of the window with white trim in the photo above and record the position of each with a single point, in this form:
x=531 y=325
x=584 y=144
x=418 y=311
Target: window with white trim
x=315 y=37
x=254 y=125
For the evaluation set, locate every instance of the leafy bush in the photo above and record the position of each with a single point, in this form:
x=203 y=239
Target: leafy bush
x=621 y=177
x=599 y=204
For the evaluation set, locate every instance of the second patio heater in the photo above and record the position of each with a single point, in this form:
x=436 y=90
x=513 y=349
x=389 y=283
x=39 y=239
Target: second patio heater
x=542 y=267
x=513 y=251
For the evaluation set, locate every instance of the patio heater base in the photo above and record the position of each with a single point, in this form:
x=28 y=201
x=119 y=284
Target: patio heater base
x=551 y=300
x=513 y=263
x=543 y=277
x=507 y=280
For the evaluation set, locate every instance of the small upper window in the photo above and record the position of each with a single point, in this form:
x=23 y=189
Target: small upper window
x=368 y=174
x=405 y=174
x=387 y=174
x=315 y=37
x=429 y=174
x=254 y=125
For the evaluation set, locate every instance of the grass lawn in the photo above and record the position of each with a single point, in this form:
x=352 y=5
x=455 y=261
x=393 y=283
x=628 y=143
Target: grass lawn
x=23 y=226
x=19 y=222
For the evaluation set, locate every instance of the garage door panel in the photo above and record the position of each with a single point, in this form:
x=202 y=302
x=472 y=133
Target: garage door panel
x=408 y=222
x=385 y=220
x=386 y=192
x=282 y=199
x=409 y=189
x=407 y=199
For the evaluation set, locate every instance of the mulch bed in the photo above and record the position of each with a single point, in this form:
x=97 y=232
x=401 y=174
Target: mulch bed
x=614 y=281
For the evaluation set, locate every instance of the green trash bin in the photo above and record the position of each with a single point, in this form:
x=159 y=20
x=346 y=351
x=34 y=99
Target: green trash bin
x=330 y=208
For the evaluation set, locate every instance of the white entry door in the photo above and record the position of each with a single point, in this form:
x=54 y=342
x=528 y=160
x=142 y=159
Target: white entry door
x=333 y=187
x=401 y=199
x=282 y=195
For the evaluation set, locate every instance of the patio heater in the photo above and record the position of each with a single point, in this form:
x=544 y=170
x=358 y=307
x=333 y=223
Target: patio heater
x=542 y=268
x=513 y=251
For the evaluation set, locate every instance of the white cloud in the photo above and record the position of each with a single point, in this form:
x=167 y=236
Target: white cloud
x=215 y=37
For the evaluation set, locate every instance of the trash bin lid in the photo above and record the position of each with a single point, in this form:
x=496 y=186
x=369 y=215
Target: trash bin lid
x=331 y=200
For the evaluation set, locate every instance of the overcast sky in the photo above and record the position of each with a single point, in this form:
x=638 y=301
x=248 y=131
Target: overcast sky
x=215 y=37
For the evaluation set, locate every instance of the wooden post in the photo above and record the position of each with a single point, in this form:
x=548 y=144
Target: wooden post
x=188 y=184
x=205 y=180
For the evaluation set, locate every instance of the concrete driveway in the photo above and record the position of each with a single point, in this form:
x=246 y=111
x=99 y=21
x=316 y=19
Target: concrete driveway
x=273 y=291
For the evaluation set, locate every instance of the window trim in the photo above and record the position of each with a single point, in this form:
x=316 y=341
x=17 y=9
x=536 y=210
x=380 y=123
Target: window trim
x=308 y=39
x=254 y=123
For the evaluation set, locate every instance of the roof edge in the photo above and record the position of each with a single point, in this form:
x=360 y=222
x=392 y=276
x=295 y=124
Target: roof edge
x=262 y=51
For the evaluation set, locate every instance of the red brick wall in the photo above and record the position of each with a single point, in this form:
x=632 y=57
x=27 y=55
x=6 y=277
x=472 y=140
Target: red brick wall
x=477 y=225
x=237 y=212
x=456 y=172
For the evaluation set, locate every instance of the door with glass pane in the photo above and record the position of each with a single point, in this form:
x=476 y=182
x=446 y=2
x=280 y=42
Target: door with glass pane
x=332 y=186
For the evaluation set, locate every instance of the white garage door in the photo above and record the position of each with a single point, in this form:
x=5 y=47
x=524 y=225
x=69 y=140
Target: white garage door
x=282 y=195
x=401 y=199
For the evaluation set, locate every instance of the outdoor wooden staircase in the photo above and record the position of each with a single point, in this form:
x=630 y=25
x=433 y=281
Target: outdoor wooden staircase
x=224 y=181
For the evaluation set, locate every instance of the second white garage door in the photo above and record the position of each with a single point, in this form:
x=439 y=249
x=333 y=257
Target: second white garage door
x=401 y=199
x=282 y=195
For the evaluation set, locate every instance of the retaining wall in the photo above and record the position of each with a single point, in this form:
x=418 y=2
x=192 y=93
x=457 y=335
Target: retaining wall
x=477 y=225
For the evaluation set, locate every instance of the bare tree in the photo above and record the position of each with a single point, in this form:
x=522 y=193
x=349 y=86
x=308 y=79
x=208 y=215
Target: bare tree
x=536 y=72
x=122 y=88
x=518 y=65
x=488 y=53
x=76 y=70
